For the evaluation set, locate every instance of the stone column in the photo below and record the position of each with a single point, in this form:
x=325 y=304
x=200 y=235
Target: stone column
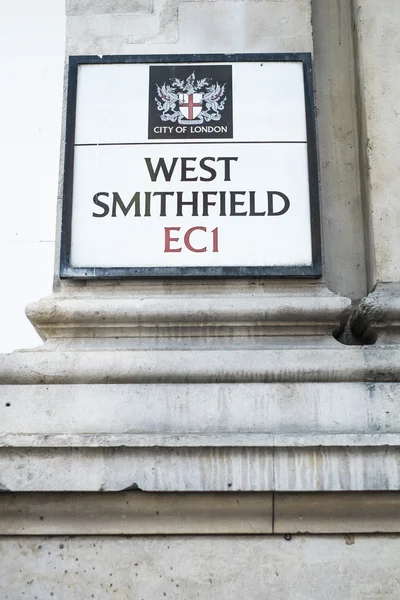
x=378 y=43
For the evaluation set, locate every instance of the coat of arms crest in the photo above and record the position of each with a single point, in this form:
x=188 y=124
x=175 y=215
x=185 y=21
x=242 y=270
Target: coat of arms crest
x=190 y=101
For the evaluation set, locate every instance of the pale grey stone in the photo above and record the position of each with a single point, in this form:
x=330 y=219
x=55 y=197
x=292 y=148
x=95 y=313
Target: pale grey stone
x=337 y=469
x=147 y=469
x=212 y=567
x=336 y=110
x=210 y=409
x=110 y=31
x=95 y=7
x=342 y=411
x=287 y=365
x=293 y=363
x=378 y=41
x=377 y=318
x=245 y=26
x=200 y=440
x=190 y=314
x=200 y=468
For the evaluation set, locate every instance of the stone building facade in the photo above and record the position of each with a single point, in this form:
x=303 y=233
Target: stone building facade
x=228 y=438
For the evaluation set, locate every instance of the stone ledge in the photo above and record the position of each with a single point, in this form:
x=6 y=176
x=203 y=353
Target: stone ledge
x=200 y=469
x=325 y=513
x=297 y=364
x=139 y=513
x=200 y=316
x=135 y=513
x=199 y=441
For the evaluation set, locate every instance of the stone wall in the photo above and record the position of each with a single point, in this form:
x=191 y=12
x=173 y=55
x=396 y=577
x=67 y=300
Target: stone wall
x=235 y=390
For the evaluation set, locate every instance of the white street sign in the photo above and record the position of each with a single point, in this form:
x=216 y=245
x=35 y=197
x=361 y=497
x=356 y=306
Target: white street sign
x=190 y=167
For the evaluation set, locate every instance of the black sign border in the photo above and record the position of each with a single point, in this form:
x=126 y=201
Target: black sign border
x=301 y=271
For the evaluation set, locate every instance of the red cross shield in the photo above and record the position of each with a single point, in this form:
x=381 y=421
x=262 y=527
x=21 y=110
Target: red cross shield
x=190 y=105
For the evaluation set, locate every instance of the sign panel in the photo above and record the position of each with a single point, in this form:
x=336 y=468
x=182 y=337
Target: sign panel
x=190 y=165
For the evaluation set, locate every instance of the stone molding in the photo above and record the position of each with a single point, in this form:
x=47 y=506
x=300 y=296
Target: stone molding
x=369 y=441
x=184 y=315
x=200 y=469
x=200 y=437
x=296 y=364
x=139 y=513
x=304 y=413
x=377 y=318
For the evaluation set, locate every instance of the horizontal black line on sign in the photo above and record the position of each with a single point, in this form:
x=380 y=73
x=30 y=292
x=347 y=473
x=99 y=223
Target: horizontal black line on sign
x=180 y=143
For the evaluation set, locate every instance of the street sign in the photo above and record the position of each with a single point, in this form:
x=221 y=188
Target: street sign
x=190 y=166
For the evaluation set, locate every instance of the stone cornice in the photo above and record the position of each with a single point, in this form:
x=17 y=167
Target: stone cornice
x=187 y=315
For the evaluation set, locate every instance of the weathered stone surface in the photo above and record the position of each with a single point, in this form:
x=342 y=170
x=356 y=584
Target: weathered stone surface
x=109 y=28
x=337 y=469
x=254 y=413
x=289 y=363
x=377 y=318
x=380 y=108
x=186 y=27
x=148 y=469
x=135 y=513
x=261 y=26
x=145 y=513
x=96 y=7
x=314 y=311
x=200 y=468
x=216 y=568
x=337 y=513
x=335 y=101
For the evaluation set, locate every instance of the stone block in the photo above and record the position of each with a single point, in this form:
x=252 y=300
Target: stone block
x=148 y=469
x=337 y=469
x=202 y=410
x=245 y=26
x=113 y=31
x=337 y=513
x=135 y=513
x=191 y=567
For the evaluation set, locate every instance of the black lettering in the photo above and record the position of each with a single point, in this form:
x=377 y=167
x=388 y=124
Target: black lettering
x=286 y=204
x=185 y=169
x=252 y=211
x=102 y=205
x=207 y=168
x=147 y=205
x=160 y=165
x=227 y=161
x=235 y=203
x=193 y=204
x=163 y=201
x=206 y=202
x=125 y=209
x=222 y=206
